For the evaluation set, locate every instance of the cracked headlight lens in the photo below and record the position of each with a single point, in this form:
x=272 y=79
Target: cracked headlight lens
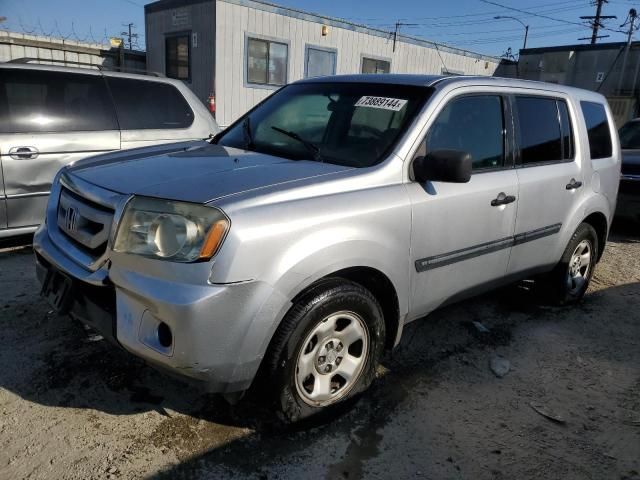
x=168 y=230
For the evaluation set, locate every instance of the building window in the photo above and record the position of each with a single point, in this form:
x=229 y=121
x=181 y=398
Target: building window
x=320 y=62
x=267 y=62
x=178 y=57
x=372 y=65
x=449 y=71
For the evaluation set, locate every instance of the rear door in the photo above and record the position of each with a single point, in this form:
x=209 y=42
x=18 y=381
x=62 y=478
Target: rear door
x=47 y=120
x=152 y=112
x=550 y=179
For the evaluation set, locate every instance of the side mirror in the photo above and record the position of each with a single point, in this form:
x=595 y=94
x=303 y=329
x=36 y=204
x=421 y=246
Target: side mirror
x=452 y=166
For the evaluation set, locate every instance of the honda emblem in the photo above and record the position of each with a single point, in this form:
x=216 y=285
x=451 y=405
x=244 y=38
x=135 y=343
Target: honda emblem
x=71 y=219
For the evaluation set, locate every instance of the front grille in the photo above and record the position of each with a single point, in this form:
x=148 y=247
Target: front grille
x=84 y=222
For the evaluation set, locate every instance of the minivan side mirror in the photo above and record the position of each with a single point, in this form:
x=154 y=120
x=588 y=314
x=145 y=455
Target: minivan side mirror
x=451 y=166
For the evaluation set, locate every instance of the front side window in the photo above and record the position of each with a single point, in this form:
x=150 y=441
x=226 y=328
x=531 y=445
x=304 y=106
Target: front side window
x=267 y=62
x=598 y=131
x=372 y=65
x=143 y=105
x=40 y=101
x=347 y=124
x=473 y=124
x=178 y=57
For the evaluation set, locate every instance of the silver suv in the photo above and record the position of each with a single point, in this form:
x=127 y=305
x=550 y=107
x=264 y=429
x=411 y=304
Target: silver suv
x=52 y=116
x=294 y=247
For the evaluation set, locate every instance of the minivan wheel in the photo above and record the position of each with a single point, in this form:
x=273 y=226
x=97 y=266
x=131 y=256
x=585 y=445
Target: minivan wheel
x=326 y=350
x=569 y=281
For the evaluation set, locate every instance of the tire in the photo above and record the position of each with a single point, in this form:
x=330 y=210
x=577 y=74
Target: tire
x=326 y=350
x=568 y=282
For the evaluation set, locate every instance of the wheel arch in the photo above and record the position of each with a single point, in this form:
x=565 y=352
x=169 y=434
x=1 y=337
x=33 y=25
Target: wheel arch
x=380 y=286
x=598 y=221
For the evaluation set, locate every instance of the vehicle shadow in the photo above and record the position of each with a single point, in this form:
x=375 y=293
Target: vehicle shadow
x=14 y=242
x=63 y=365
x=625 y=231
x=428 y=346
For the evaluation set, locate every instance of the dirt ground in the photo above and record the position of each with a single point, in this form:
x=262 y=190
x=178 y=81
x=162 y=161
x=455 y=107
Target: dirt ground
x=76 y=408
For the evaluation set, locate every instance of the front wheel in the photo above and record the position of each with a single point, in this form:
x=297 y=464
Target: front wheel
x=327 y=349
x=569 y=280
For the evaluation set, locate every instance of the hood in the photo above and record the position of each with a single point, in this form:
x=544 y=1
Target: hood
x=195 y=172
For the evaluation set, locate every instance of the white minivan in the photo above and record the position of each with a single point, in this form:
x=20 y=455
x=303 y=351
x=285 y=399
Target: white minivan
x=51 y=116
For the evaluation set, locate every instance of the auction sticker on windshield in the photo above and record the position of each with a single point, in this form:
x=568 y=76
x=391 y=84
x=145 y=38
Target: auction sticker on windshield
x=395 y=104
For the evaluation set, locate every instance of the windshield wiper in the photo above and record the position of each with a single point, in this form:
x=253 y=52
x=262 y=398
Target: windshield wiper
x=246 y=130
x=313 y=148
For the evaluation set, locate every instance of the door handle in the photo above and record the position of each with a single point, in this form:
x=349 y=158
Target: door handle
x=502 y=199
x=23 y=153
x=573 y=184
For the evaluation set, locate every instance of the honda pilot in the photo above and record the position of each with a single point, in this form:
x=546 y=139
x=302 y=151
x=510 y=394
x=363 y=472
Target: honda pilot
x=291 y=250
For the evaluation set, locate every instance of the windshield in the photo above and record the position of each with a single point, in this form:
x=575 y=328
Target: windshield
x=347 y=124
x=630 y=135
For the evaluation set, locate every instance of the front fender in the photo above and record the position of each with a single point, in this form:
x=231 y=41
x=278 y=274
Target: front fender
x=304 y=270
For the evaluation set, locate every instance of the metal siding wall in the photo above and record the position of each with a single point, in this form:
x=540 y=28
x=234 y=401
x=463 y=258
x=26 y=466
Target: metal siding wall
x=235 y=21
x=15 y=45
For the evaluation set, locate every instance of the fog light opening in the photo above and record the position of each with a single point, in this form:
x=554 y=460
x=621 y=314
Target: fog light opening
x=165 y=337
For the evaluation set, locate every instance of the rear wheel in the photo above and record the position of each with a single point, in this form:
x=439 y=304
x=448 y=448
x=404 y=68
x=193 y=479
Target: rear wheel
x=327 y=349
x=569 y=280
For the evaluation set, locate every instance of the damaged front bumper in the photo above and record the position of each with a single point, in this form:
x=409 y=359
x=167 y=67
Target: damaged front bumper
x=211 y=335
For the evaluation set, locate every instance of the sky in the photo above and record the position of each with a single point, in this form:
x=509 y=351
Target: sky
x=468 y=24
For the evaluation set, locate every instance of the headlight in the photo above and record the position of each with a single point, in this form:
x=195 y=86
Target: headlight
x=175 y=231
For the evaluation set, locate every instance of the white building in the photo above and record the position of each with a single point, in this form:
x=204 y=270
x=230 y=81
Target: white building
x=243 y=50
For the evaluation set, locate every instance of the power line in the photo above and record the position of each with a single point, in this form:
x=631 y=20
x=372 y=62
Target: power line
x=484 y=14
x=130 y=36
x=568 y=22
x=469 y=23
x=596 y=22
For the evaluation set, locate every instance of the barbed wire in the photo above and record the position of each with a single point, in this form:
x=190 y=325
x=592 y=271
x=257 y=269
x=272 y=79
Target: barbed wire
x=56 y=33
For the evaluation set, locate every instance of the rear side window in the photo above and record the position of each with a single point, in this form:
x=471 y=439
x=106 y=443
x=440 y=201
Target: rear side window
x=598 y=131
x=566 y=130
x=540 y=132
x=473 y=124
x=33 y=101
x=143 y=105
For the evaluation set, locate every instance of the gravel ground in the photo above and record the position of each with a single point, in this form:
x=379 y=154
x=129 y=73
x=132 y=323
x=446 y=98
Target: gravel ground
x=569 y=408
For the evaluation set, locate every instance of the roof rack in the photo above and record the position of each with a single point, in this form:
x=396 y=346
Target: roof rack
x=26 y=60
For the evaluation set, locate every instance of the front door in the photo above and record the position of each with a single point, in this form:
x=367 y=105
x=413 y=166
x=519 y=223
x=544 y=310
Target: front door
x=48 y=119
x=462 y=233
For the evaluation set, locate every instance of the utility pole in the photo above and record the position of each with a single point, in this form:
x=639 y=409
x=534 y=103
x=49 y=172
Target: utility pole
x=631 y=21
x=397 y=30
x=596 y=22
x=130 y=35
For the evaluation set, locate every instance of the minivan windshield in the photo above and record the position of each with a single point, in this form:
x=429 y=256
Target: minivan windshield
x=351 y=124
x=630 y=135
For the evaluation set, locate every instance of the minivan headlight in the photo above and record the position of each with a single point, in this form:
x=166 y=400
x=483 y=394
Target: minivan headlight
x=167 y=230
